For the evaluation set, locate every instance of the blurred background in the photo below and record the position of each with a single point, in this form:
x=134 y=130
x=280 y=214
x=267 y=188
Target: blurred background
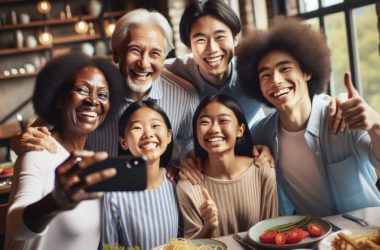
x=33 y=32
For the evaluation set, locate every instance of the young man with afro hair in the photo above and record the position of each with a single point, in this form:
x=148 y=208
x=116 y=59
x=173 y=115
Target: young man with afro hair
x=318 y=172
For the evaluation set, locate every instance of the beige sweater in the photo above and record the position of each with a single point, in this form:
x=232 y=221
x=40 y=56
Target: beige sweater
x=241 y=202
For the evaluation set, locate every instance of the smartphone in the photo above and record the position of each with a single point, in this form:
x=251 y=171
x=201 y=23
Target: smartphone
x=131 y=174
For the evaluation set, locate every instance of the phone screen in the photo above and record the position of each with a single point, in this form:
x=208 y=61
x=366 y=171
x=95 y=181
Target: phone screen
x=130 y=176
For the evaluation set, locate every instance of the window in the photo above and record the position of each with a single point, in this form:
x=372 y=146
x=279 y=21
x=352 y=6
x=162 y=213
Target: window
x=351 y=29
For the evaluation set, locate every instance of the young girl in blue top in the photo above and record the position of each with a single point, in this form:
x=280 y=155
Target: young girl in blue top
x=146 y=218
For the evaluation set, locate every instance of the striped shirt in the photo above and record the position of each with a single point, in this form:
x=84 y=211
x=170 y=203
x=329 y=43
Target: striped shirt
x=241 y=202
x=174 y=95
x=145 y=218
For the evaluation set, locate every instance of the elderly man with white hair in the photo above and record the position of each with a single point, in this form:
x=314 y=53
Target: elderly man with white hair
x=140 y=43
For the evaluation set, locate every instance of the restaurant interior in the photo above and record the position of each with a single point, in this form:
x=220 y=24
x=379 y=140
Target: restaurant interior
x=33 y=32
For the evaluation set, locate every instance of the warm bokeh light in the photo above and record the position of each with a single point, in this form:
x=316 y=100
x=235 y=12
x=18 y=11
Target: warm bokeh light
x=110 y=27
x=43 y=7
x=45 y=38
x=81 y=27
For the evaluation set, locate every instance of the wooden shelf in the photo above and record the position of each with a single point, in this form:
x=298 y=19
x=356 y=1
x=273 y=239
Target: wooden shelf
x=50 y=21
x=13 y=51
x=114 y=13
x=74 y=38
x=3 y=77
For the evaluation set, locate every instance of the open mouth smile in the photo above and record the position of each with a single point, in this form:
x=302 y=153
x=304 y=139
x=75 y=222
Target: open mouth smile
x=141 y=76
x=148 y=145
x=213 y=61
x=280 y=92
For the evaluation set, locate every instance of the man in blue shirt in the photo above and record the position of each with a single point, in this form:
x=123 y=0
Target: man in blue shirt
x=318 y=172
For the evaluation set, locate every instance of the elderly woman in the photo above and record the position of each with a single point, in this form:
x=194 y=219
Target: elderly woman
x=49 y=208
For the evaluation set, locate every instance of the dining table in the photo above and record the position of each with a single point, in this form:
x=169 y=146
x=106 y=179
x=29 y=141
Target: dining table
x=369 y=214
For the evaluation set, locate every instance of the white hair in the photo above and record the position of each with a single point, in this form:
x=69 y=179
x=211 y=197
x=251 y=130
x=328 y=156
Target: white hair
x=137 y=17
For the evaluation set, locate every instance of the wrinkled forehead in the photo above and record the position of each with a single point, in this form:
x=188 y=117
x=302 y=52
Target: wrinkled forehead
x=147 y=33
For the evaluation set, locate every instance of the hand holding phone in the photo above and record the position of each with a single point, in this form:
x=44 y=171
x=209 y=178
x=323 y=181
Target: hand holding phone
x=131 y=174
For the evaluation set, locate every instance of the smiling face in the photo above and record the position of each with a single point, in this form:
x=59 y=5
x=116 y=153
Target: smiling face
x=282 y=81
x=146 y=134
x=218 y=128
x=142 y=57
x=87 y=104
x=213 y=47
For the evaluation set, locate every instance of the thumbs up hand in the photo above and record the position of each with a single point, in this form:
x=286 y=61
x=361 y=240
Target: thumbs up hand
x=209 y=212
x=356 y=113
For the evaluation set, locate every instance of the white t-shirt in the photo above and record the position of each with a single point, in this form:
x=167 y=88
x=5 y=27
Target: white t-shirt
x=34 y=176
x=301 y=172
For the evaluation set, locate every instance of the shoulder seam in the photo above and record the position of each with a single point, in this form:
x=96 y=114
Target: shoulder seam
x=178 y=80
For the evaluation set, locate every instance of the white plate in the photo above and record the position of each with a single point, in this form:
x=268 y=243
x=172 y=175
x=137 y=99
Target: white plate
x=220 y=245
x=326 y=243
x=258 y=229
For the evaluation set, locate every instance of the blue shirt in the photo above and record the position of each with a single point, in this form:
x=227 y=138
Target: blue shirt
x=345 y=160
x=187 y=68
x=146 y=218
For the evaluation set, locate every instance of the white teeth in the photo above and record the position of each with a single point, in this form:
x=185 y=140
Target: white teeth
x=142 y=75
x=150 y=145
x=281 y=92
x=88 y=113
x=214 y=59
x=215 y=139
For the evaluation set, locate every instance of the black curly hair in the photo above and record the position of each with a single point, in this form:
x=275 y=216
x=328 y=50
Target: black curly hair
x=196 y=9
x=167 y=155
x=243 y=144
x=307 y=46
x=57 y=77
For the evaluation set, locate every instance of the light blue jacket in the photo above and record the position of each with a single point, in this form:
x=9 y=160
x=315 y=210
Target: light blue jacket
x=345 y=160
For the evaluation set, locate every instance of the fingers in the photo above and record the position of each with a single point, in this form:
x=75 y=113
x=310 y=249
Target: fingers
x=38 y=136
x=69 y=189
x=44 y=130
x=96 y=177
x=185 y=174
x=190 y=170
x=332 y=112
x=351 y=91
x=337 y=119
x=205 y=194
x=262 y=156
x=209 y=211
x=255 y=151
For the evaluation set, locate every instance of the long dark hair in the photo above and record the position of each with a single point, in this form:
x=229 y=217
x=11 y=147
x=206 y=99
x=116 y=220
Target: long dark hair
x=243 y=144
x=166 y=156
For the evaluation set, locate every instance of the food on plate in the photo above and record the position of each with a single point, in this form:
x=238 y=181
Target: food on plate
x=6 y=171
x=314 y=230
x=286 y=227
x=268 y=237
x=184 y=244
x=291 y=233
x=356 y=242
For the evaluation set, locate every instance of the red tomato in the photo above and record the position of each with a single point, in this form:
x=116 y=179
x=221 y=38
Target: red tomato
x=294 y=235
x=280 y=239
x=305 y=234
x=268 y=237
x=315 y=230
